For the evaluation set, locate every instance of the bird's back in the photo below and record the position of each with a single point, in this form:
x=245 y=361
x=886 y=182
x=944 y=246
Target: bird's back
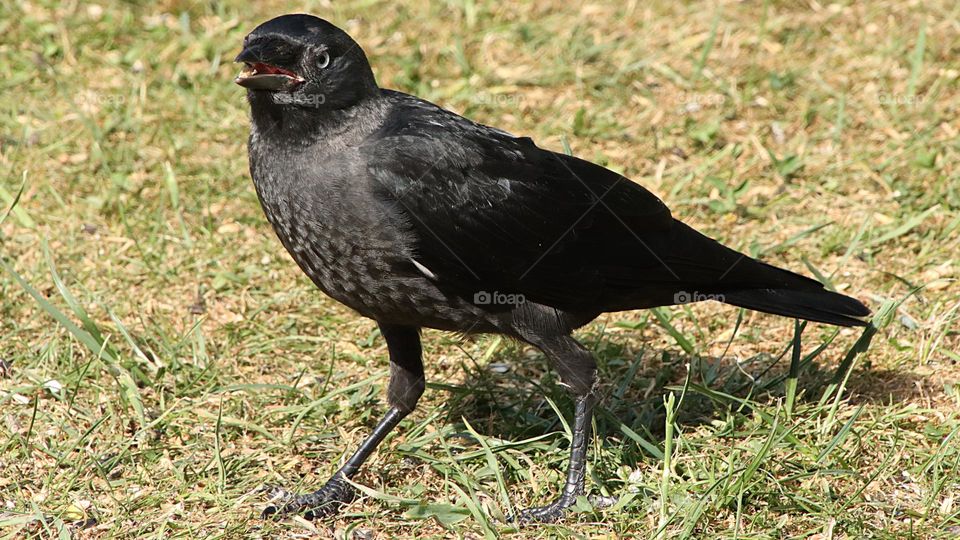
x=414 y=211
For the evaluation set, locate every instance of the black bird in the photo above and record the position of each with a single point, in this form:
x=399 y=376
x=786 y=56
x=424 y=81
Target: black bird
x=417 y=217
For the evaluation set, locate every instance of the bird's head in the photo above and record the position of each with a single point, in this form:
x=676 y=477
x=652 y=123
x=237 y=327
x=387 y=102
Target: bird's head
x=304 y=62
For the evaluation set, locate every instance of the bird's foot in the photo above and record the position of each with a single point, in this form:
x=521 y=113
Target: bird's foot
x=550 y=513
x=326 y=501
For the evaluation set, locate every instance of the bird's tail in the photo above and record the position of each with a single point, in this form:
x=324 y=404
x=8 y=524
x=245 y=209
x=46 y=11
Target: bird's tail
x=700 y=264
x=812 y=305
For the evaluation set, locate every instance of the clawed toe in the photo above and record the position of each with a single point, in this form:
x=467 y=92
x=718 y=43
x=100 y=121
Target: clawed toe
x=550 y=513
x=326 y=501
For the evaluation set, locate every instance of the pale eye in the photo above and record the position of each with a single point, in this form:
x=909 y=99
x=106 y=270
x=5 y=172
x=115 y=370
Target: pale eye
x=324 y=60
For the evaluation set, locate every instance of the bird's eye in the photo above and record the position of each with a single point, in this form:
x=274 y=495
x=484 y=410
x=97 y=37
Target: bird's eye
x=324 y=59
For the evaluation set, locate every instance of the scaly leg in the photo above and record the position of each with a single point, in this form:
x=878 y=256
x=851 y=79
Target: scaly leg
x=405 y=388
x=578 y=372
x=576 y=469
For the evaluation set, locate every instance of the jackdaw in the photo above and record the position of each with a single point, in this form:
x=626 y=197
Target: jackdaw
x=419 y=218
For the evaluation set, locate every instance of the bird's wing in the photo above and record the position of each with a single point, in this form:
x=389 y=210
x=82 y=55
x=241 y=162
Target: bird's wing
x=492 y=212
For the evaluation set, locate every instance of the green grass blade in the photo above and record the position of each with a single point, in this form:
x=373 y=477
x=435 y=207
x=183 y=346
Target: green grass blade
x=12 y=201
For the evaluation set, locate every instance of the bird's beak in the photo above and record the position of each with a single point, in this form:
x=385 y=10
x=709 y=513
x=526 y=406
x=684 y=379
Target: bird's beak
x=257 y=75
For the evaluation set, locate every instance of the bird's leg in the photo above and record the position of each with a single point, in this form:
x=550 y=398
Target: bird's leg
x=576 y=469
x=577 y=370
x=405 y=388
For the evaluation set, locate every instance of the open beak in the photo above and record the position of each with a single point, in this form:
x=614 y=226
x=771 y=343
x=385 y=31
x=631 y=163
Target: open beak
x=257 y=75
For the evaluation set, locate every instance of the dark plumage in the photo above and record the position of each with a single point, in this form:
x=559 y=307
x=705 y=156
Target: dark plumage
x=417 y=217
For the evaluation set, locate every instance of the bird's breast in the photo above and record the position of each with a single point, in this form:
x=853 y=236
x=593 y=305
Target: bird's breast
x=357 y=258
x=355 y=249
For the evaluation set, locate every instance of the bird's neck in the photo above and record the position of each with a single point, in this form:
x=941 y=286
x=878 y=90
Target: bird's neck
x=306 y=126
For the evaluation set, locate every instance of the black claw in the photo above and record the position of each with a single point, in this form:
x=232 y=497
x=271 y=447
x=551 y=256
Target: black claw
x=550 y=513
x=268 y=511
x=326 y=501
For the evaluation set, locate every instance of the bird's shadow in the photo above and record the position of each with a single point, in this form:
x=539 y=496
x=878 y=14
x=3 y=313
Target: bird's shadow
x=511 y=395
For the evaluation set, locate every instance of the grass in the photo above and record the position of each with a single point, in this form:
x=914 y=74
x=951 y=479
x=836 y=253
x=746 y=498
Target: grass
x=166 y=360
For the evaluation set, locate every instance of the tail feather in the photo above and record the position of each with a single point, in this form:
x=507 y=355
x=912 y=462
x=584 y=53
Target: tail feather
x=813 y=305
x=699 y=263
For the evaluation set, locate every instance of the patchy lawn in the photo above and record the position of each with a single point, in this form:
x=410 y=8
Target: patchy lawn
x=163 y=359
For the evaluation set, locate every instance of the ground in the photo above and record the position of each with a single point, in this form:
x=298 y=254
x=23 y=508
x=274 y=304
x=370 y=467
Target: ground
x=163 y=360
